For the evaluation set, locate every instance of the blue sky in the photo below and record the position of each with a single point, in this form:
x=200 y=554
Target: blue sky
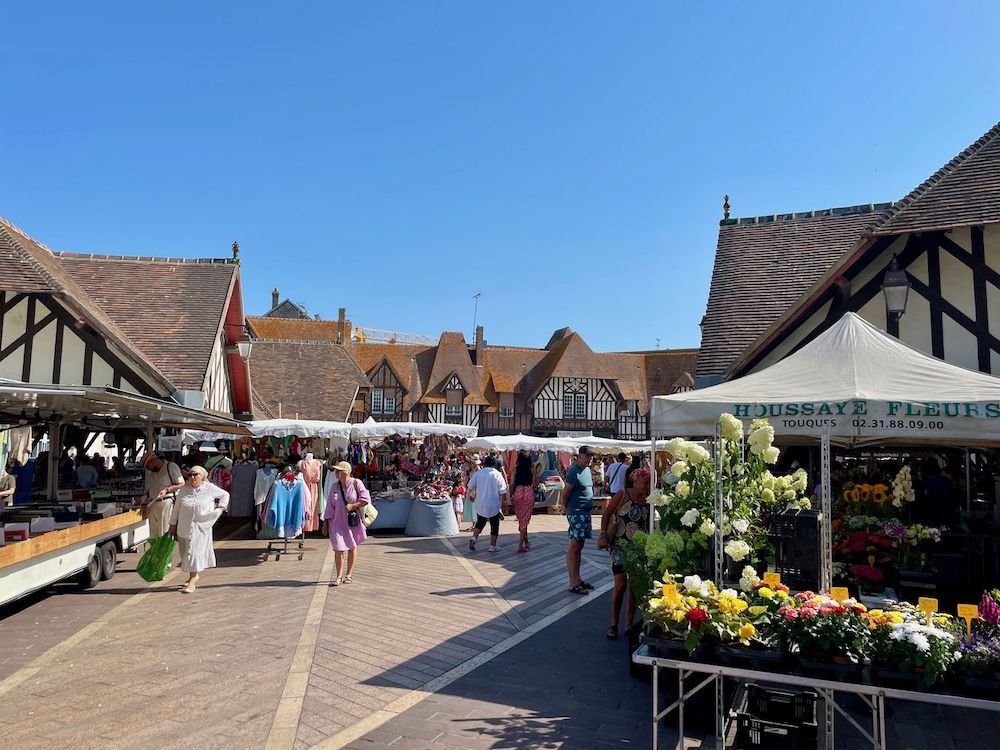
x=567 y=159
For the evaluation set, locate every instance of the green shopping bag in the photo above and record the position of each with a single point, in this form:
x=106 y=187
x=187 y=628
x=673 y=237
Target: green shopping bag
x=155 y=563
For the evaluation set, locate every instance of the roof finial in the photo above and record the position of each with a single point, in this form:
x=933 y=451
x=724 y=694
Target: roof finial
x=236 y=251
x=725 y=206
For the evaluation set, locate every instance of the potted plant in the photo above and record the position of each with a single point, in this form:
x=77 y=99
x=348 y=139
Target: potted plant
x=826 y=635
x=905 y=649
x=978 y=669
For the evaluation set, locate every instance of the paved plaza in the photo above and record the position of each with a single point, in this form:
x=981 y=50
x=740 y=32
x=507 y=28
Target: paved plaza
x=431 y=647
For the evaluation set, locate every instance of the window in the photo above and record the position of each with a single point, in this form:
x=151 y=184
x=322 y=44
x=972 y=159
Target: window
x=389 y=405
x=632 y=408
x=581 y=405
x=507 y=412
x=453 y=403
x=506 y=405
x=568 y=410
x=378 y=400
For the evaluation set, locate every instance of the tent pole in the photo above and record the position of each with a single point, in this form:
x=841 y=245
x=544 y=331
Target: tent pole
x=55 y=452
x=968 y=482
x=718 y=504
x=826 y=515
x=653 y=471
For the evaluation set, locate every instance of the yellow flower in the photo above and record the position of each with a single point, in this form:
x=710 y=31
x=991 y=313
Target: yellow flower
x=765 y=592
x=747 y=632
x=781 y=594
x=757 y=611
x=865 y=495
x=678 y=615
x=856 y=495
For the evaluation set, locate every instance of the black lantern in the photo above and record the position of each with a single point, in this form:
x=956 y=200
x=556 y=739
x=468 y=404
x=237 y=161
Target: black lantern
x=896 y=288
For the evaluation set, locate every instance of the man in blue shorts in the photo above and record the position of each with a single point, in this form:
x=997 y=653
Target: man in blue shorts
x=577 y=503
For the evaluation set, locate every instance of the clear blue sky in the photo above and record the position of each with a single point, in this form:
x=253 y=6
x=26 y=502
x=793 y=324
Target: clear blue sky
x=568 y=159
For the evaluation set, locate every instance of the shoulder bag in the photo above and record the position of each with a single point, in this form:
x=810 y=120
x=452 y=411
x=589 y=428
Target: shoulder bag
x=615 y=521
x=368 y=513
x=353 y=517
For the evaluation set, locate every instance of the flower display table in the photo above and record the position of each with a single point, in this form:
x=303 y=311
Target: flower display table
x=713 y=675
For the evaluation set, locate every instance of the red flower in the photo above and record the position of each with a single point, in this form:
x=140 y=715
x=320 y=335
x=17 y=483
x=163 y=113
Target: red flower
x=697 y=617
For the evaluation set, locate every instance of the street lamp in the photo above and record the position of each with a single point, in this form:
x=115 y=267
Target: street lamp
x=244 y=345
x=896 y=288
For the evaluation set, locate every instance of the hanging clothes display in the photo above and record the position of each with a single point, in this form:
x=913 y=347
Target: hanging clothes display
x=285 y=508
x=220 y=471
x=310 y=469
x=266 y=475
x=241 y=497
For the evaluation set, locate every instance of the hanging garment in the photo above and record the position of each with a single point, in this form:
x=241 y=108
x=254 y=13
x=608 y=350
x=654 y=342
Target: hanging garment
x=266 y=475
x=311 y=470
x=286 y=510
x=241 y=502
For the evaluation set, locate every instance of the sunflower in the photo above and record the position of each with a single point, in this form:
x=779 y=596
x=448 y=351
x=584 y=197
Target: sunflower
x=865 y=494
x=856 y=494
x=880 y=494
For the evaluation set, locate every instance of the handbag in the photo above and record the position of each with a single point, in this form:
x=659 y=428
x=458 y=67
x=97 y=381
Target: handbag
x=470 y=490
x=614 y=522
x=368 y=514
x=156 y=561
x=353 y=517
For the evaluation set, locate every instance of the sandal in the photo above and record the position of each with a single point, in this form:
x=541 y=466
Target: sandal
x=335 y=582
x=578 y=589
x=588 y=586
x=613 y=633
x=347 y=579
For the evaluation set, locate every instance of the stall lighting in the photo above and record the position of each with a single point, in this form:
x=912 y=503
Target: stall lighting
x=896 y=288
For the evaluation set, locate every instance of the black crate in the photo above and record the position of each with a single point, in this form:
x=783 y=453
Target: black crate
x=787 y=706
x=760 y=734
x=800 y=554
x=796 y=524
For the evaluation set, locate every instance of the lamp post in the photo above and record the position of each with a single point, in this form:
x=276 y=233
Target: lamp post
x=896 y=289
x=244 y=346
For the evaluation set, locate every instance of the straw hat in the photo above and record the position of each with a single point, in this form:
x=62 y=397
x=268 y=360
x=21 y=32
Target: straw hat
x=342 y=466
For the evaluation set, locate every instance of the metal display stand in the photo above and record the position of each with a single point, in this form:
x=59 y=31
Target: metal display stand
x=279 y=547
x=873 y=696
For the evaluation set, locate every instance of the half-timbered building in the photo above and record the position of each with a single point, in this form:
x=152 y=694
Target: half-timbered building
x=945 y=234
x=156 y=326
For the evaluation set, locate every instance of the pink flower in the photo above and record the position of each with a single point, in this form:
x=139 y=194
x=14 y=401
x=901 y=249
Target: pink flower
x=790 y=613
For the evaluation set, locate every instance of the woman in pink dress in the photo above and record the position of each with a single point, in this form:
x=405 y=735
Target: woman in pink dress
x=345 y=495
x=311 y=469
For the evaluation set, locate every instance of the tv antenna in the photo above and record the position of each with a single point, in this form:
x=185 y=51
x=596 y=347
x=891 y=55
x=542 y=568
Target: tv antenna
x=657 y=343
x=475 y=314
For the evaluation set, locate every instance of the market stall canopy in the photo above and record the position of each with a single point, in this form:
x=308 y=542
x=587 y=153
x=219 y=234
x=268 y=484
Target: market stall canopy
x=520 y=443
x=610 y=445
x=854 y=380
x=280 y=428
x=372 y=429
x=103 y=408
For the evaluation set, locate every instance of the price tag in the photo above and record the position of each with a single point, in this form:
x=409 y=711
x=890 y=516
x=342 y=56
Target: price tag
x=928 y=605
x=968 y=612
x=871 y=559
x=772 y=579
x=840 y=593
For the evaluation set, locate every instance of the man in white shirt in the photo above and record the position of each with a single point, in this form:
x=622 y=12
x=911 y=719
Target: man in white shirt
x=615 y=475
x=489 y=487
x=163 y=479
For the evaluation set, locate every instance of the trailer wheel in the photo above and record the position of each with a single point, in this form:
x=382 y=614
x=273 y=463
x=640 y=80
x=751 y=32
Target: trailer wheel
x=91 y=575
x=109 y=560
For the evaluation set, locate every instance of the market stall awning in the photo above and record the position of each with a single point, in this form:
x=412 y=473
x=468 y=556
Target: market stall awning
x=279 y=428
x=103 y=408
x=520 y=443
x=854 y=380
x=372 y=429
x=611 y=445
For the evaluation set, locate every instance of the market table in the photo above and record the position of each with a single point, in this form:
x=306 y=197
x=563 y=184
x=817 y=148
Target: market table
x=874 y=696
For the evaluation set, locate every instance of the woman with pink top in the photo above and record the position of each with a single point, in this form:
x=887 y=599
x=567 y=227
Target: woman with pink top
x=343 y=519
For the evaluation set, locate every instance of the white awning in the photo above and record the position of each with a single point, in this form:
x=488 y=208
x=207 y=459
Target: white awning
x=279 y=428
x=855 y=380
x=371 y=429
x=520 y=443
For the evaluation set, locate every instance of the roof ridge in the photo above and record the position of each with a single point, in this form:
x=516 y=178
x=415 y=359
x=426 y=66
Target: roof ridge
x=949 y=168
x=295 y=341
x=41 y=269
x=297 y=320
x=861 y=208
x=62 y=254
x=685 y=350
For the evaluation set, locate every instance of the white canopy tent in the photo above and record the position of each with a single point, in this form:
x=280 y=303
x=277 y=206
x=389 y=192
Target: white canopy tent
x=611 y=445
x=853 y=384
x=370 y=429
x=280 y=428
x=521 y=442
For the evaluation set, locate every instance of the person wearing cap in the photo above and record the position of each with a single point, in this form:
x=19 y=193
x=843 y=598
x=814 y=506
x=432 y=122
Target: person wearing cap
x=163 y=480
x=345 y=495
x=578 y=503
x=198 y=506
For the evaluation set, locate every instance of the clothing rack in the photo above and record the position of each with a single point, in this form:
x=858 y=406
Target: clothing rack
x=279 y=547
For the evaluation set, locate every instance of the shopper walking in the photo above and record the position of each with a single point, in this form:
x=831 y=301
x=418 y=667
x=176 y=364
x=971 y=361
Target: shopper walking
x=163 y=480
x=616 y=474
x=578 y=503
x=198 y=506
x=489 y=487
x=8 y=485
x=342 y=520
x=524 y=497
x=630 y=512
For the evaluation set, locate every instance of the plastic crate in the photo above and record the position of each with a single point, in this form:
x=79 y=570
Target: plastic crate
x=796 y=524
x=760 y=734
x=798 y=579
x=785 y=706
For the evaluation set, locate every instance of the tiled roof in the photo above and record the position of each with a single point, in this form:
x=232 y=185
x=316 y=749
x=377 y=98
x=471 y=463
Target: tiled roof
x=763 y=265
x=629 y=371
x=171 y=308
x=964 y=192
x=294 y=329
x=308 y=379
x=665 y=369
x=30 y=267
x=568 y=357
x=402 y=357
x=260 y=409
x=508 y=367
x=452 y=356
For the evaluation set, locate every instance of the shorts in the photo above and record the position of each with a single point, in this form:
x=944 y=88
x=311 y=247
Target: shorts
x=579 y=525
x=617 y=566
x=494 y=524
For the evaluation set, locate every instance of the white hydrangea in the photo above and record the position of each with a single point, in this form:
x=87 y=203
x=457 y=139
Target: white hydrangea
x=697 y=454
x=683 y=489
x=707 y=527
x=657 y=498
x=760 y=438
x=749 y=578
x=771 y=454
x=737 y=549
x=694 y=585
x=741 y=525
x=690 y=518
x=678 y=468
x=730 y=427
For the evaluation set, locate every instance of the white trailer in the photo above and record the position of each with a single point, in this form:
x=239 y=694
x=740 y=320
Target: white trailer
x=87 y=553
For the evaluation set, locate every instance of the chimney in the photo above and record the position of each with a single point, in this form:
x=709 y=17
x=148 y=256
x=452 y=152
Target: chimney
x=274 y=298
x=480 y=345
x=341 y=325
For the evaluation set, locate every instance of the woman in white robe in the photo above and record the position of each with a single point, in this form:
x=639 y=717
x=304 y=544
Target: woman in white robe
x=198 y=506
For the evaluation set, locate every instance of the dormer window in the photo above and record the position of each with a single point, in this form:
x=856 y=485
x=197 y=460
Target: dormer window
x=453 y=402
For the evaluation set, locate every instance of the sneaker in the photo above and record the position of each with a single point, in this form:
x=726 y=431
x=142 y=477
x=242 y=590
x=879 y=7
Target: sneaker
x=493 y=549
x=472 y=545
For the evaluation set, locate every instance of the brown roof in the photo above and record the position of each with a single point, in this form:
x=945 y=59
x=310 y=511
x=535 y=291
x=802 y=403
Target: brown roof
x=171 y=308
x=763 y=265
x=964 y=192
x=30 y=267
x=310 y=379
x=402 y=357
x=508 y=367
x=452 y=357
x=568 y=357
x=668 y=368
x=294 y=329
